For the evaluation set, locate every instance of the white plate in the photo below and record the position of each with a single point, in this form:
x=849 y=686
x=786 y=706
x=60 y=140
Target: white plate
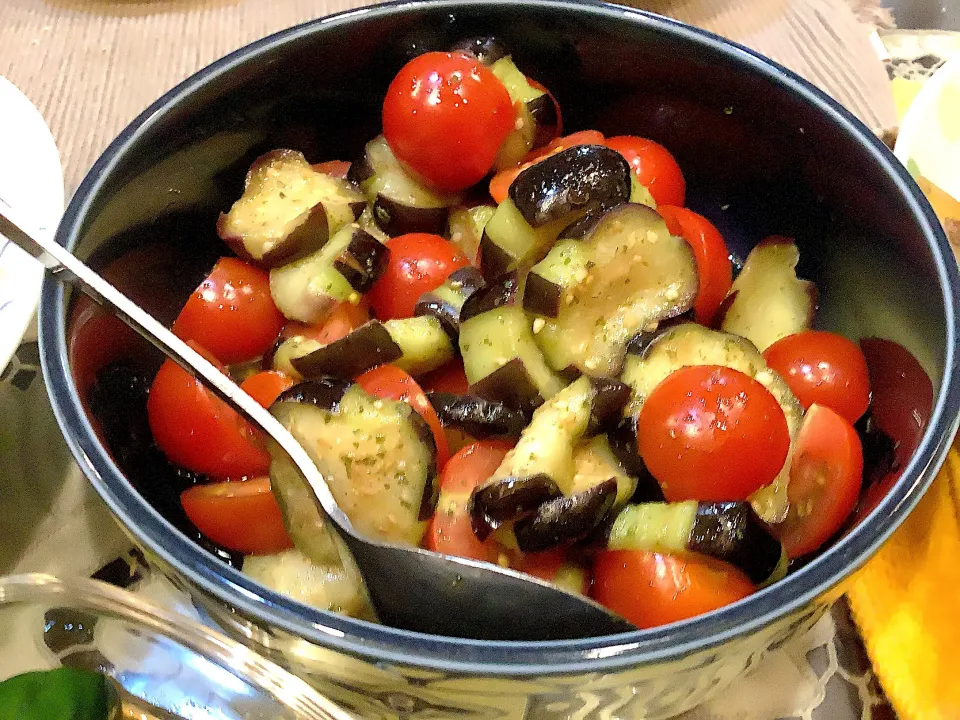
x=929 y=139
x=31 y=182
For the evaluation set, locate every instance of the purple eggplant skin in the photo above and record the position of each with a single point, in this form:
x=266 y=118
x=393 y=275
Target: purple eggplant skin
x=325 y=393
x=485 y=48
x=363 y=261
x=541 y=297
x=610 y=398
x=639 y=343
x=566 y=519
x=623 y=443
x=477 y=417
x=495 y=295
x=466 y=282
x=396 y=218
x=508 y=499
x=365 y=348
x=360 y=169
x=511 y=385
x=431 y=487
x=580 y=178
x=494 y=262
x=544 y=114
x=734 y=533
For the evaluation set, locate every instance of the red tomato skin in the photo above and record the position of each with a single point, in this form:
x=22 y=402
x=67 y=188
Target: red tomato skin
x=419 y=263
x=389 y=381
x=450 y=531
x=823 y=368
x=826 y=474
x=654 y=166
x=711 y=433
x=651 y=589
x=713 y=258
x=451 y=378
x=334 y=168
x=198 y=431
x=240 y=516
x=231 y=313
x=265 y=387
x=343 y=319
x=445 y=117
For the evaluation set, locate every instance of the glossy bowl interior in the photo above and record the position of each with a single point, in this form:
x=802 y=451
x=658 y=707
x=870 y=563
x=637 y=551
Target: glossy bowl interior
x=763 y=152
x=163 y=665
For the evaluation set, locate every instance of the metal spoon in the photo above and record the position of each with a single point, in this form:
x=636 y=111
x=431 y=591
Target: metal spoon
x=409 y=587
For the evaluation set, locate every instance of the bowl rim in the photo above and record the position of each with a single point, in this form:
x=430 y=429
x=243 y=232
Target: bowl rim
x=379 y=643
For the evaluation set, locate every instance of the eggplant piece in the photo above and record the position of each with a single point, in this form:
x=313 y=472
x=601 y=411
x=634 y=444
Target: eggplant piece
x=446 y=302
x=502 y=361
x=326 y=392
x=768 y=301
x=578 y=179
x=594 y=462
x=401 y=204
x=379 y=460
x=538 y=120
x=488 y=298
x=509 y=243
x=507 y=499
x=486 y=48
x=308 y=289
x=728 y=531
x=290 y=348
x=566 y=519
x=416 y=345
x=367 y=223
x=641 y=341
x=476 y=416
x=628 y=275
x=288 y=210
x=543 y=110
x=465 y=228
x=623 y=446
x=610 y=398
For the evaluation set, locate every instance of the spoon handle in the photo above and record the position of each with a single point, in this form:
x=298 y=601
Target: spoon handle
x=67 y=268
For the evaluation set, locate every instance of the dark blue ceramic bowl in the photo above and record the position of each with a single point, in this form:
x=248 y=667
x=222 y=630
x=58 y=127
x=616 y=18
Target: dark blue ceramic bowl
x=764 y=153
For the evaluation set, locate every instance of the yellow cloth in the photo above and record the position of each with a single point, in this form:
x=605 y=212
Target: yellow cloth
x=906 y=602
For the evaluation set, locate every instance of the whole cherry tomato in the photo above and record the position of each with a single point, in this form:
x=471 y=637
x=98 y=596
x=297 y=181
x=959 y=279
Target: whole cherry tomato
x=709 y=432
x=445 y=117
x=419 y=262
x=654 y=167
x=713 y=259
x=823 y=368
x=231 y=314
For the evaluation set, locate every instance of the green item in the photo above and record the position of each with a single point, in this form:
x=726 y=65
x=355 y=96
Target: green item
x=61 y=694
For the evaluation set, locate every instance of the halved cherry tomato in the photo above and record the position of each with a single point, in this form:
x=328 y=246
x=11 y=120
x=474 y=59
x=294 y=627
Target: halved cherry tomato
x=712 y=433
x=345 y=318
x=826 y=472
x=654 y=166
x=334 y=168
x=231 y=313
x=451 y=378
x=556 y=106
x=266 y=386
x=200 y=432
x=450 y=531
x=501 y=182
x=823 y=368
x=651 y=589
x=240 y=516
x=419 y=263
x=713 y=259
x=445 y=117
x=389 y=381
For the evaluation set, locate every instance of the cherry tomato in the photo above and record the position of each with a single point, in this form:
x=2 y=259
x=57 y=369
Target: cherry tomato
x=501 y=182
x=823 y=368
x=651 y=589
x=344 y=319
x=654 y=167
x=265 y=387
x=445 y=117
x=389 y=381
x=709 y=432
x=450 y=378
x=419 y=263
x=198 y=431
x=826 y=472
x=232 y=314
x=450 y=531
x=333 y=168
x=713 y=258
x=240 y=516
